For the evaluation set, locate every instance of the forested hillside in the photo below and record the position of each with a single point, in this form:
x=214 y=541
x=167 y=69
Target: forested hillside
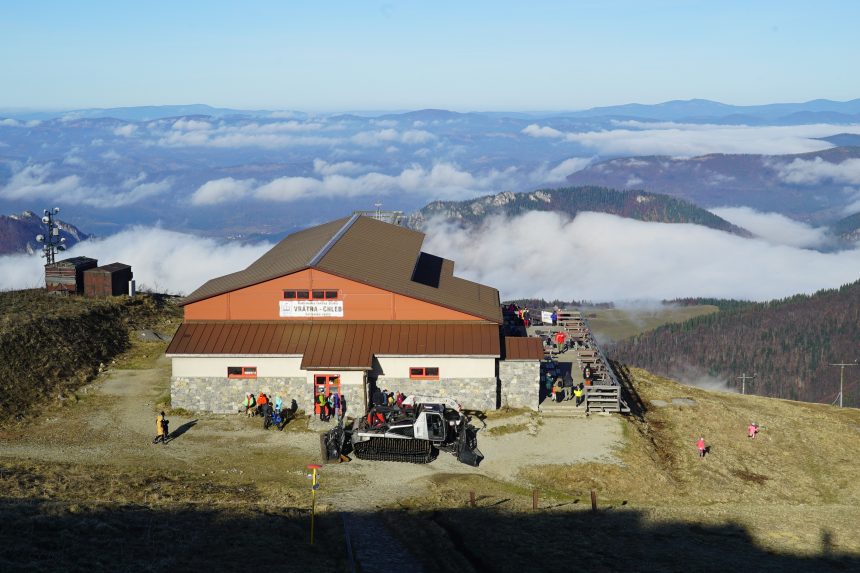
x=572 y=200
x=788 y=343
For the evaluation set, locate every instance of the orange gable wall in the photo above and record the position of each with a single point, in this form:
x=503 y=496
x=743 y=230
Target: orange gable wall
x=360 y=301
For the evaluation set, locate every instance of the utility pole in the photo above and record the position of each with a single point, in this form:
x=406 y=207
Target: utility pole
x=842 y=366
x=743 y=378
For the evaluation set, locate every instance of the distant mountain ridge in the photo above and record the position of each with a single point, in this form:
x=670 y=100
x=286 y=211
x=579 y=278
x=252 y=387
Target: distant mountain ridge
x=570 y=201
x=763 y=182
x=691 y=110
x=789 y=344
x=700 y=110
x=847 y=228
x=18 y=233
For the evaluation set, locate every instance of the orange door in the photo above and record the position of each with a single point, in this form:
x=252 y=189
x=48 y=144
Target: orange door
x=325 y=384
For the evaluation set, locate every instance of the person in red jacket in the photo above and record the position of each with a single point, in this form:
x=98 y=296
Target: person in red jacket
x=700 y=445
x=560 y=337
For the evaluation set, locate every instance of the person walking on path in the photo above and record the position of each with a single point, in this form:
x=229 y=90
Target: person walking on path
x=578 y=393
x=700 y=445
x=752 y=430
x=160 y=429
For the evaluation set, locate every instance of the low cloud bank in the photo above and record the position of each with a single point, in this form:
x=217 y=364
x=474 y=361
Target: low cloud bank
x=39 y=181
x=441 y=181
x=161 y=260
x=817 y=171
x=607 y=258
x=690 y=140
x=775 y=228
x=595 y=257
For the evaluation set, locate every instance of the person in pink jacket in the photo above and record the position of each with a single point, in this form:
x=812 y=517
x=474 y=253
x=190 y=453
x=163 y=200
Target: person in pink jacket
x=752 y=430
x=700 y=445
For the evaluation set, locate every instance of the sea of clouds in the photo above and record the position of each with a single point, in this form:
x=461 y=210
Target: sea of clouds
x=594 y=256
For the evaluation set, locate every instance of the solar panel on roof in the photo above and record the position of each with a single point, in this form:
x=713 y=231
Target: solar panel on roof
x=428 y=270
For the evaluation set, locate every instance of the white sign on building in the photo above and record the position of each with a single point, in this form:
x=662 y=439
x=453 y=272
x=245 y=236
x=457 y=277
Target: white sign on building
x=310 y=308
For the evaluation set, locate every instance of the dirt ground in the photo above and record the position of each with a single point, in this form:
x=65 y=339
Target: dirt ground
x=89 y=463
x=114 y=422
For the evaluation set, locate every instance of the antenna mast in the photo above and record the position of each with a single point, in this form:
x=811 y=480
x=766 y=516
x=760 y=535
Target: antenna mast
x=52 y=240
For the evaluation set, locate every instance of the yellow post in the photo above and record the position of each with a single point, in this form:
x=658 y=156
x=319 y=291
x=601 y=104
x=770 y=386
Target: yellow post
x=314 y=487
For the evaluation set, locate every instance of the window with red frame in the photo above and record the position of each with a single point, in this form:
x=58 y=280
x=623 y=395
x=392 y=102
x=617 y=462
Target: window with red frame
x=241 y=372
x=424 y=373
x=316 y=294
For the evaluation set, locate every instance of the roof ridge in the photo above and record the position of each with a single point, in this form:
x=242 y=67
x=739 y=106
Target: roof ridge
x=331 y=242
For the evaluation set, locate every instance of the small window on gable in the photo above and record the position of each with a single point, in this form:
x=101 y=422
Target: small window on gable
x=310 y=295
x=324 y=294
x=424 y=373
x=241 y=372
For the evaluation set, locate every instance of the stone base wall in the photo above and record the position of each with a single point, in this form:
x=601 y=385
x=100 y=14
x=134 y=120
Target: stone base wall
x=227 y=395
x=353 y=395
x=520 y=384
x=471 y=393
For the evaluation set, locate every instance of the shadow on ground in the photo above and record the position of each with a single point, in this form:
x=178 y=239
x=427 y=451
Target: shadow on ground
x=43 y=535
x=182 y=429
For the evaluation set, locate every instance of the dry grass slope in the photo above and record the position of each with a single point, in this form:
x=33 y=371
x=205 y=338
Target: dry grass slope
x=787 y=500
x=51 y=345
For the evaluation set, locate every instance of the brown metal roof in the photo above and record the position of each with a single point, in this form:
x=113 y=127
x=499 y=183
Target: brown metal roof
x=367 y=250
x=292 y=254
x=523 y=348
x=344 y=345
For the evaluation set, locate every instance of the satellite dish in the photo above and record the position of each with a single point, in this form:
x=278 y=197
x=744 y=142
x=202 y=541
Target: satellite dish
x=56 y=209
x=61 y=247
x=46 y=220
x=46 y=212
x=62 y=239
x=40 y=238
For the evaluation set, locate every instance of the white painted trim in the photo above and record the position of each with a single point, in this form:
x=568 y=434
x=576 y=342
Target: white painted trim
x=481 y=356
x=234 y=355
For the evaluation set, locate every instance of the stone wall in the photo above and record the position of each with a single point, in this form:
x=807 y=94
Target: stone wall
x=223 y=395
x=520 y=383
x=471 y=393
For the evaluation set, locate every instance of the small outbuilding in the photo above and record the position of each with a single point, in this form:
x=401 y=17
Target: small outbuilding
x=67 y=276
x=107 y=280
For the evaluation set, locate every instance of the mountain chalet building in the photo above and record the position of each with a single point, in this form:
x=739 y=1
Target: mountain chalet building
x=345 y=307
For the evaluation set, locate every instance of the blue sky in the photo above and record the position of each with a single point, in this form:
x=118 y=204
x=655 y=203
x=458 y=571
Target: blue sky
x=478 y=55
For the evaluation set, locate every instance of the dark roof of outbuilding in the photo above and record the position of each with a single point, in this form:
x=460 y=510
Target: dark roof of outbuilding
x=366 y=250
x=111 y=268
x=344 y=345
